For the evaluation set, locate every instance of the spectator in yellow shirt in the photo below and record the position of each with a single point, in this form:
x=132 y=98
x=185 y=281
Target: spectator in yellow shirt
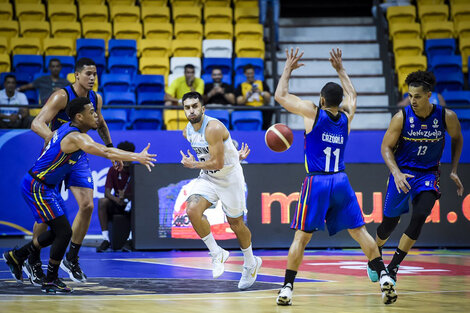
x=184 y=84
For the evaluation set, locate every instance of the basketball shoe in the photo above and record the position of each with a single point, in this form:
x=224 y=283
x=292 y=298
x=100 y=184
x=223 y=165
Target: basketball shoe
x=284 y=296
x=73 y=269
x=249 y=274
x=34 y=272
x=15 y=265
x=56 y=286
x=218 y=260
x=387 y=286
x=393 y=273
x=373 y=275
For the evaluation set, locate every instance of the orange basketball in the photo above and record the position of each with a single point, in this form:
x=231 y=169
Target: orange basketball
x=279 y=137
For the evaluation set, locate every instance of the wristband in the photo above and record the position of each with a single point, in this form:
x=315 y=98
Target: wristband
x=110 y=145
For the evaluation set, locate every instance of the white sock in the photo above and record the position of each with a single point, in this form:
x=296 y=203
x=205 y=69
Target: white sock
x=211 y=244
x=248 y=257
x=130 y=236
x=105 y=235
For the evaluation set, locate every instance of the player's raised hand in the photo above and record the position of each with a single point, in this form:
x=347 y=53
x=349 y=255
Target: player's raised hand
x=401 y=183
x=457 y=181
x=243 y=152
x=293 y=58
x=146 y=158
x=187 y=161
x=336 y=59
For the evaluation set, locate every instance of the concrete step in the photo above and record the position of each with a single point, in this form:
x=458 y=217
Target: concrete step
x=323 y=68
x=295 y=21
x=322 y=51
x=327 y=33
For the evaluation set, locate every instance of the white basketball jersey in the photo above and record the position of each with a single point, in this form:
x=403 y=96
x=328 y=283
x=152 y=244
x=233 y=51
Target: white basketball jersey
x=201 y=147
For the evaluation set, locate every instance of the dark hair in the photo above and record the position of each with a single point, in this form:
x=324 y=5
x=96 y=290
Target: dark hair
x=76 y=106
x=82 y=62
x=333 y=94
x=126 y=146
x=189 y=66
x=54 y=60
x=9 y=76
x=421 y=78
x=247 y=67
x=217 y=68
x=193 y=95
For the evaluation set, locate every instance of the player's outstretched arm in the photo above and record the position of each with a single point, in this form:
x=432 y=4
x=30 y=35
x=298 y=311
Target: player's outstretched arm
x=54 y=104
x=289 y=101
x=455 y=133
x=81 y=141
x=350 y=95
x=388 y=144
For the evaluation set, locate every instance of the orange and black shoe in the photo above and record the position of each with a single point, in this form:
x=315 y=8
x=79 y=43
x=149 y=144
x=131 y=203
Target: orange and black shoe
x=14 y=264
x=56 y=286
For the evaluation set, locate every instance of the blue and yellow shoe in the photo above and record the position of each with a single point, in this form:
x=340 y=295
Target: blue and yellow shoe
x=14 y=264
x=373 y=275
x=56 y=286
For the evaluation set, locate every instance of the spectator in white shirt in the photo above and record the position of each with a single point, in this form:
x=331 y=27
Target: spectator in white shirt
x=13 y=117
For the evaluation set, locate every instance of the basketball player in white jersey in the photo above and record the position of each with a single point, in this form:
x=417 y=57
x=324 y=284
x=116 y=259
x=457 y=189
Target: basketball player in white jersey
x=221 y=178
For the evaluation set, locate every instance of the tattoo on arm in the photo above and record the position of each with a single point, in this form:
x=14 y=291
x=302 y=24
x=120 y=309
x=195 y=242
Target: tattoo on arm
x=104 y=134
x=194 y=199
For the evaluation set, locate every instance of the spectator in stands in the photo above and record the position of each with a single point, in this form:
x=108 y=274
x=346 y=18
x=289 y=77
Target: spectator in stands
x=255 y=93
x=263 y=12
x=184 y=84
x=436 y=98
x=13 y=117
x=46 y=85
x=218 y=92
x=120 y=202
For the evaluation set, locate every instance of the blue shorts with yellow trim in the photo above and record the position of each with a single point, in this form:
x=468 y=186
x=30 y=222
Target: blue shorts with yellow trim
x=327 y=198
x=80 y=175
x=396 y=203
x=45 y=202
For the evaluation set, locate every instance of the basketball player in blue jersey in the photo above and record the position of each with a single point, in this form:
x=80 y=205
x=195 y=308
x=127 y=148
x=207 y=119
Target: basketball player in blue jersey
x=79 y=181
x=221 y=178
x=67 y=146
x=326 y=194
x=412 y=148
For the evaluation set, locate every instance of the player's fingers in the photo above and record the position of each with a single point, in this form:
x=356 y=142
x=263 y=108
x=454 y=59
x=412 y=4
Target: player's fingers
x=182 y=154
x=409 y=175
x=407 y=184
x=398 y=188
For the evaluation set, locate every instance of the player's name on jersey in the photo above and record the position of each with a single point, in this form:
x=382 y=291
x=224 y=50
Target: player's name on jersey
x=332 y=138
x=201 y=150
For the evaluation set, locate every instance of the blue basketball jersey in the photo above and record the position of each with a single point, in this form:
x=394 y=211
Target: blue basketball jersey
x=421 y=141
x=53 y=164
x=325 y=144
x=61 y=117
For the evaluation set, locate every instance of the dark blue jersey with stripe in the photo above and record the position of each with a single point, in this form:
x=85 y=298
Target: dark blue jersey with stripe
x=421 y=140
x=325 y=144
x=53 y=164
x=61 y=116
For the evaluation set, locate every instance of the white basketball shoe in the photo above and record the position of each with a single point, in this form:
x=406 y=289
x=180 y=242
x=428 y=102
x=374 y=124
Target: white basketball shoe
x=387 y=286
x=218 y=260
x=249 y=274
x=284 y=296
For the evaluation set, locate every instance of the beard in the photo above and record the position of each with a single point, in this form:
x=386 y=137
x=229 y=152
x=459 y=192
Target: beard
x=196 y=119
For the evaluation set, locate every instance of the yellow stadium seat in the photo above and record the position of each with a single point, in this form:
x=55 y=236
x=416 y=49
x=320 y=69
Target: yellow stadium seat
x=99 y=30
x=246 y=15
x=27 y=45
x=218 y=15
x=62 y=12
x=153 y=3
x=94 y=2
x=127 y=30
x=155 y=48
x=249 y=49
x=436 y=12
x=9 y=29
x=127 y=14
x=93 y=13
x=408 y=64
x=185 y=3
x=30 y=12
x=245 y=3
x=429 y=2
x=66 y=30
x=158 y=30
x=407 y=47
x=71 y=79
x=460 y=12
x=464 y=45
x=154 y=14
x=26 y=1
x=405 y=30
x=218 y=31
x=186 y=48
x=188 y=31
x=187 y=15
x=216 y=3
x=5 y=63
x=452 y=2
x=39 y=29
x=61 y=1
x=59 y=46
x=6 y=12
x=462 y=29
x=175 y=119
x=433 y=30
x=401 y=14
x=154 y=66
x=120 y=2
x=4 y=47
x=249 y=31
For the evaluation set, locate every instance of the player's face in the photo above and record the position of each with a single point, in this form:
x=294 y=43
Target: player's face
x=193 y=110
x=418 y=97
x=87 y=76
x=217 y=76
x=90 y=118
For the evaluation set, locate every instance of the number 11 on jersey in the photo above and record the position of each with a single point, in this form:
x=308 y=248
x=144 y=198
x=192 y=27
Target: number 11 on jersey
x=327 y=152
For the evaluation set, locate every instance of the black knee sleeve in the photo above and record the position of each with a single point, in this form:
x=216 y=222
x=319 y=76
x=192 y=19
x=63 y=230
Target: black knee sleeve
x=46 y=239
x=422 y=206
x=387 y=226
x=63 y=232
